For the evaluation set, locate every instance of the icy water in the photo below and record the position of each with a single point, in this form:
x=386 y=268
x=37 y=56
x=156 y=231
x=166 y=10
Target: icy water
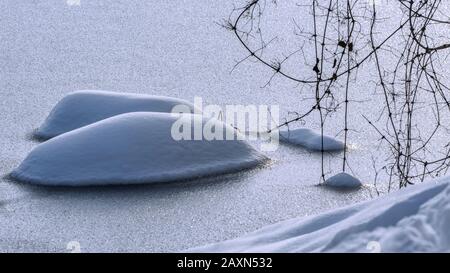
x=174 y=48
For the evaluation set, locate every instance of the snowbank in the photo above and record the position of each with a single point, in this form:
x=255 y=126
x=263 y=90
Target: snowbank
x=133 y=148
x=81 y=108
x=311 y=140
x=343 y=180
x=413 y=220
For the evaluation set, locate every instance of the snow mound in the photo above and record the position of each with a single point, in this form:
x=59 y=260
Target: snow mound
x=134 y=148
x=311 y=140
x=81 y=108
x=343 y=180
x=416 y=219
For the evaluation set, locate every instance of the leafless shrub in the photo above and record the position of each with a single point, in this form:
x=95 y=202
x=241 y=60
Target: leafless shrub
x=340 y=37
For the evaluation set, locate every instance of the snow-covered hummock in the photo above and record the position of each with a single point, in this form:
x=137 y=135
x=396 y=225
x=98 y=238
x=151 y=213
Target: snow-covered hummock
x=133 y=148
x=311 y=140
x=343 y=180
x=81 y=108
x=416 y=219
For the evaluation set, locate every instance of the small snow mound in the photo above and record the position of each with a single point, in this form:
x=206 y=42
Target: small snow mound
x=134 y=148
x=343 y=180
x=81 y=108
x=416 y=219
x=311 y=140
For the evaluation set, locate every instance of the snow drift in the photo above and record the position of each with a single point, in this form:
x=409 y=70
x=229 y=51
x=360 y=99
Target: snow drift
x=81 y=108
x=416 y=219
x=133 y=148
x=343 y=180
x=311 y=140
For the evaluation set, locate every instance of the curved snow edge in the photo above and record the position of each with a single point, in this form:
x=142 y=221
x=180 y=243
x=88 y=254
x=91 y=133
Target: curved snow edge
x=174 y=176
x=83 y=107
x=311 y=140
x=133 y=148
x=416 y=219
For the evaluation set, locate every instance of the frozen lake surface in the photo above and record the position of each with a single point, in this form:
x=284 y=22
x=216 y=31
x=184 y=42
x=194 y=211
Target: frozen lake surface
x=170 y=48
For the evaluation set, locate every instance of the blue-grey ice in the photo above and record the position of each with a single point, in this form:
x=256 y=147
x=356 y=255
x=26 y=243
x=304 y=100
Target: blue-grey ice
x=164 y=48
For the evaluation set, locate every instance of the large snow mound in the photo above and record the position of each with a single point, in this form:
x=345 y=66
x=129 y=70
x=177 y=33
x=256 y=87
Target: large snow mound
x=134 y=148
x=81 y=108
x=413 y=220
x=343 y=180
x=311 y=140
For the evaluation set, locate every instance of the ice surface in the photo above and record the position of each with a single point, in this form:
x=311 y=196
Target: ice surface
x=311 y=140
x=51 y=49
x=343 y=180
x=412 y=220
x=135 y=148
x=84 y=107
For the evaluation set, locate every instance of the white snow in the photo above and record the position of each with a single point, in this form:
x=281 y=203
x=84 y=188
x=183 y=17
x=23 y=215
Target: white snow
x=133 y=148
x=311 y=140
x=343 y=180
x=416 y=219
x=84 y=107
